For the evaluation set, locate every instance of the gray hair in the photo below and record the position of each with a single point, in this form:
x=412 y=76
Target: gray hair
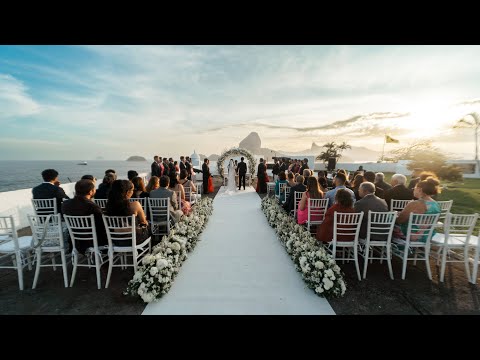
x=380 y=176
x=400 y=179
x=367 y=187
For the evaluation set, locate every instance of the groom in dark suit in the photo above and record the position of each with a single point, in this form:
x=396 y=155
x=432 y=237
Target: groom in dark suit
x=242 y=171
x=206 y=175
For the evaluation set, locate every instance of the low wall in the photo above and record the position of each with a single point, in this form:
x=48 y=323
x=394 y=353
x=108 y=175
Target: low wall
x=18 y=203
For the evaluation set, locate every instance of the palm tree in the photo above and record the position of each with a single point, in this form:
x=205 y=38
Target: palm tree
x=466 y=122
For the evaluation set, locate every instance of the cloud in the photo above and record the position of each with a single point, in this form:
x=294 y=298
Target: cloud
x=14 y=99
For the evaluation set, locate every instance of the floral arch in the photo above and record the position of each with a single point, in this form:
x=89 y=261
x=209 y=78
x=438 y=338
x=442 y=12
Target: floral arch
x=236 y=151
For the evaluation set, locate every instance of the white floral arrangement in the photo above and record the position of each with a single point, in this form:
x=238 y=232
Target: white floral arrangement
x=155 y=276
x=319 y=270
x=236 y=151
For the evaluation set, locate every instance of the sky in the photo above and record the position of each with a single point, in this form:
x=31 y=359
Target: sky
x=84 y=102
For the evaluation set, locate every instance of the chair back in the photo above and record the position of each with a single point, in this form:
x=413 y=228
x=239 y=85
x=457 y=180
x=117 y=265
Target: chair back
x=188 y=194
x=298 y=197
x=102 y=203
x=380 y=226
x=445 y=207
x=460 y=227
x=142 y=201
x=47 y=231
x=82 y=228
x=346 y=227
x=420 y=229
x=120 y=230
x=159 y=213
x=8 y=233
x=316 y=211
x=45 y=206
x=398 y=205
x=179 y=199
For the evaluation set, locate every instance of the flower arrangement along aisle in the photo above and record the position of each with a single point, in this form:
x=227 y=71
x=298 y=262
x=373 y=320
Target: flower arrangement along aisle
x=155 y=276
x=318 y=268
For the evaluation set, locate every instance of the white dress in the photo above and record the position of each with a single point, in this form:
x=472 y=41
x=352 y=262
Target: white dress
x=231 y=186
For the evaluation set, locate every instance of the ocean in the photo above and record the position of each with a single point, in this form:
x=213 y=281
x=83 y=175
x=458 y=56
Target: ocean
x=16 y=175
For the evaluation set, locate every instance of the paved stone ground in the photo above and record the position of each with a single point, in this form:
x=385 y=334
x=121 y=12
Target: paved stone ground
x=375 y=295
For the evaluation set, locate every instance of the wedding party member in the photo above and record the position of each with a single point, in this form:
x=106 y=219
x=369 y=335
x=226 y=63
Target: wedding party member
x=312 y=192
x=304 y=166
x=155 y=167
x=369 y=201
x=206 y=175
x=242 y=173
x=398 y=191
x=343 y=204
x=261 y=177
x=188 y=167
x=423 y=191
x=82 y=205
x=50 y=188
x=182 y=164
x=164 y=192
x=282 y=179
x=105 y=186
x=177 y=167
x=275 y=170
x=118 y=204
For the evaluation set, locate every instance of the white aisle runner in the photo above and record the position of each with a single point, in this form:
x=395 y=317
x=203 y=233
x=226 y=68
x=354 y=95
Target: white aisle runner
x=239 y=267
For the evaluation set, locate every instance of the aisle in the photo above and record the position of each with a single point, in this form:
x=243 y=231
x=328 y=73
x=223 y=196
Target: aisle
x=239 y=267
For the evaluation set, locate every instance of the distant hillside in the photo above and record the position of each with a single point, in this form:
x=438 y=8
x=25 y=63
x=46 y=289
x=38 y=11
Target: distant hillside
x=136 y=158
x=213 y=157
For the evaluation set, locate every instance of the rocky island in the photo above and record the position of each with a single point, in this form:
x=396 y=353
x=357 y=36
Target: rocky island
x=136 y=158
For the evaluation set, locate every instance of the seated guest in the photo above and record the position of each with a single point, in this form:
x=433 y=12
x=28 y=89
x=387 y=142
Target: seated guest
x=282 y=179
x=50 y=188
x=290 y=203
x=380 y=182
x=185 y=182
x=423 y=176
x=312 y=192
x=291 y=179
x=105 y=186
x=82 y=205
x=118 y=204
x=131 y=174
x=343 y=204
x=186 y=206
x=415 y=178
x=356 y=184
x=423 y=191
x=165 y=192
x=398 y=191
x=153 y=184
x=339 y=183
x=369 y=201
x=322 y=181
x=139 y=190
x=306 y=174
x=370 y=176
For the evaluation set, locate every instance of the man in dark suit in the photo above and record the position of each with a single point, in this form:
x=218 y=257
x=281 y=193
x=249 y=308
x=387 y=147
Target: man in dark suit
x=261 y=172
x=50 y=188
x=289 y=204
x=370 y=176
x=182 y=163
x=188 y=167
x=275 y=170
x=206 y=175
x=369 y=201
x=380 y=181
x=155 y=167
x=242 y=172
x=304 y=166
x=398 y=191
x=82 y=205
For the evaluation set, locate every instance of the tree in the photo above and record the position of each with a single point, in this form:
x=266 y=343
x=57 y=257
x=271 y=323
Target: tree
x=466 y=122
x=332 y=150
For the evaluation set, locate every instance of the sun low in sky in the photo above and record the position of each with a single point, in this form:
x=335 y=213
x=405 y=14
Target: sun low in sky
x=80 y=102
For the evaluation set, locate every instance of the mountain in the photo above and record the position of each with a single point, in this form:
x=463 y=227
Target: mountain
x=136 y=158
x=213 y=157
x=357 y=153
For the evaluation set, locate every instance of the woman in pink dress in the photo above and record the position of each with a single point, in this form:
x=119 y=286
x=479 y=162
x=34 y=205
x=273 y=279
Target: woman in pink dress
x=313 y=192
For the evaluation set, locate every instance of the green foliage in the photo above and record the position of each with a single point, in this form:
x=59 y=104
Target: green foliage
x=450 y=173
x=332 y=150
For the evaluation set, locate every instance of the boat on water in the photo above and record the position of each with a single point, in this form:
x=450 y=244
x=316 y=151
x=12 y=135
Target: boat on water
x=82 y=163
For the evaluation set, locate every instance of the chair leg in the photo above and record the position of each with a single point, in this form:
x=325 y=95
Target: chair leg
x=475 y=264
x=365 y=262
x=37 y=268
x=355 y=255
x=415 y=257
x=381 y=255
x=110 y=267
x=438 y=254
x=389 y=262
x=404 y=266
x=427 y=263
x=97 y=268
x=19 y=270
x=74 y=271
x=444 y=263
x=64 y=267
x=467 y=262
x=29 y=260
x=53 y=261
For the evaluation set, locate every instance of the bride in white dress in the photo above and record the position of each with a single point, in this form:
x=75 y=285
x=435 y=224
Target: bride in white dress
x=231 y=187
